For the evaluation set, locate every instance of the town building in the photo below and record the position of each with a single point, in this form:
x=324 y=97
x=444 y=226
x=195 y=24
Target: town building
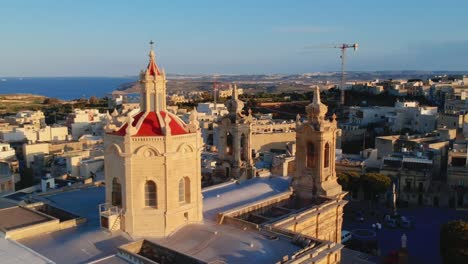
x=7 y=178
x=6 y=151
x=412 y=117
x=212 y=109
x=457 y=173
x=224 y=93
x=34 y=118
x=85 y=122
x=418 y=163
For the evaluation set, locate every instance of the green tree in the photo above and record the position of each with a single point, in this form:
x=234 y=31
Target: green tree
x=454 y=242
x=350 y=181
x=375 y=183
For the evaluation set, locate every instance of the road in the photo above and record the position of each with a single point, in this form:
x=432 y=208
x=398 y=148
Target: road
x=423 y=239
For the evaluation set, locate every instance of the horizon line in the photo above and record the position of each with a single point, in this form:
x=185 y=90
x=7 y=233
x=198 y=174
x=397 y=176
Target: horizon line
x=237 y=74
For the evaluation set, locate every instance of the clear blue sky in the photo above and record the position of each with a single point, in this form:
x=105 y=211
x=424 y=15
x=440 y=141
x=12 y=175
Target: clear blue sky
x=110 y=38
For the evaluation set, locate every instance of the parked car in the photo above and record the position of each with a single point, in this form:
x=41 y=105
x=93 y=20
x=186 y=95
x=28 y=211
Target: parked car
x=345 y=236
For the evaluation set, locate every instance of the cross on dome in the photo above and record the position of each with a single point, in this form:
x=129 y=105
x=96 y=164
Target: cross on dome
x=152 y=69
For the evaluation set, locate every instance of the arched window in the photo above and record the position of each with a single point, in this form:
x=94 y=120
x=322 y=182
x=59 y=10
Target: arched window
x=184 y=190
x=116 y=192
x=310 y=155
x=326 y=155
x=229 y=143
x=243 y=146
x=151 y=194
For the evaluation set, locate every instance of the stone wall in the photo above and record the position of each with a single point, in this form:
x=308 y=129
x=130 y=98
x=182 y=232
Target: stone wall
x=322 y=221
x=268 y=141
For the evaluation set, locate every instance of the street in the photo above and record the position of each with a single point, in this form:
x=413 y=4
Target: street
x=423 y=238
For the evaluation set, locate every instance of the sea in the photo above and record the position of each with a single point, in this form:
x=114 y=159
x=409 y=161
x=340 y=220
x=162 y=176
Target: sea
x=65 y=88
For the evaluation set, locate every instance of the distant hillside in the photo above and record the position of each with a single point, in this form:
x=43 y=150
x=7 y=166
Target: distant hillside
x=277 y=83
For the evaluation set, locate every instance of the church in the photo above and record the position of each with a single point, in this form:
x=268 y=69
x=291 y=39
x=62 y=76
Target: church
x=152 y=164
x=153 y=188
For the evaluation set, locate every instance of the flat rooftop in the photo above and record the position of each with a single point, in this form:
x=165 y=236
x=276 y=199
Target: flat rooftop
x=17 y=196
x=224 y=197
x=88 y=243
x=17 y=217
x=231 y=244
x=84 y=243
x=13 y=253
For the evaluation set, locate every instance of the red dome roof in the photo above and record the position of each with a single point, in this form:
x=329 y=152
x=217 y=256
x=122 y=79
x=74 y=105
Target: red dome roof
x=152 y=68
x=151 y=125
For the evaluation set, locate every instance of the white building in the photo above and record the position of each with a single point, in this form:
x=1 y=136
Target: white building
x=6 y=151
x=86 y=121
x=54 y=133
x=35 y=118
x=408 y=115
x=31 y=133
x=363 y=116
x=212 y=109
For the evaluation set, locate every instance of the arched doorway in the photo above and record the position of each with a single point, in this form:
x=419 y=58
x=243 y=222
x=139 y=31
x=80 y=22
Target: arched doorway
x=116 y=192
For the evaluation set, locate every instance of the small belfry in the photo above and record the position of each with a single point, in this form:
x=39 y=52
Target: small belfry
x=315 y=154
x=153 y=85
x=234 y=132
x=148 y=192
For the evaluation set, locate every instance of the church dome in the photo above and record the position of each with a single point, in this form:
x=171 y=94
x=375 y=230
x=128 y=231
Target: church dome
x=150 y=124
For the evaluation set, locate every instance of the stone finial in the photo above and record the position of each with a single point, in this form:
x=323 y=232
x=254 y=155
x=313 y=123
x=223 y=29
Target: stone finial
x=250 y=112
x=115 y=113
x=131 y=130
x=167 y=127
x=235 y=105
x=316 y=110
x=109 y=126
x=193 y=124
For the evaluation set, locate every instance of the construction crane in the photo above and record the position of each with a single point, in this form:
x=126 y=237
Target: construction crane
x=215 y=89
x=343 y=48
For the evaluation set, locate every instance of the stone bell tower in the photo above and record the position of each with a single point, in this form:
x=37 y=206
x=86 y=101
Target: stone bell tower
x=315 y=154
x=234 y=140
x=152 y=165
